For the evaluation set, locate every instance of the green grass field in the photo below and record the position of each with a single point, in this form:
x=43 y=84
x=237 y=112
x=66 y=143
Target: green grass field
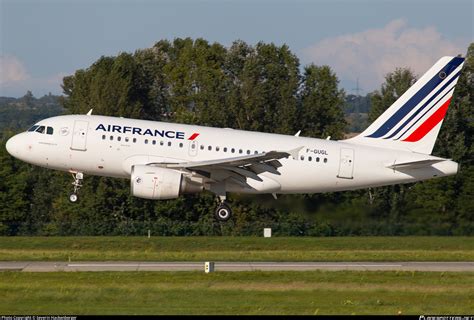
x=315 y=292
x=238 y=248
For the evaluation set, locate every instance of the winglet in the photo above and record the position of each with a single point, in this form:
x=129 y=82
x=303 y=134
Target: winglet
x=90 y=112
x=298 y=133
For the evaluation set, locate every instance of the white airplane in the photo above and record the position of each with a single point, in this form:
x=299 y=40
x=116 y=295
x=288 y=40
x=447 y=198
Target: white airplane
x=164 y=160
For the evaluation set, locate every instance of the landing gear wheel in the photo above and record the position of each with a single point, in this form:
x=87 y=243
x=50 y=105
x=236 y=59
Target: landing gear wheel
x=78 y=176
x=73 y=197
x=223 y=212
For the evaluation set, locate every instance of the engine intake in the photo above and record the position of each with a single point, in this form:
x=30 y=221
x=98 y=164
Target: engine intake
x=160 y=183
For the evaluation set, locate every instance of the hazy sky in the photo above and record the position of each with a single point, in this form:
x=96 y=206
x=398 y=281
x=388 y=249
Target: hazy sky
x=42 y=41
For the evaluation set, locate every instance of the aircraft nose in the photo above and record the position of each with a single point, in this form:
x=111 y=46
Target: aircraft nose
x=11 y=146
x=19 y=147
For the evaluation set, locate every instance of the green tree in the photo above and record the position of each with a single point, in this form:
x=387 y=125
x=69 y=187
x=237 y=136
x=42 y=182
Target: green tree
x=321 y=112
x=196 y=81
x=269 y=84
x=152 y=62
x=237 y=55
x=450 y=200
x=14 y=192
x=389 y=202
x=28 y=99
x=396 y=83
x=111 y=86
x=462 y=112
x=456 y=134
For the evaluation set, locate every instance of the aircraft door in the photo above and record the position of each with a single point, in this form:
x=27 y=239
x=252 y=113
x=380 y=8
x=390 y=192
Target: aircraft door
x=79 y=135
x=193 y=148
x=346 y=164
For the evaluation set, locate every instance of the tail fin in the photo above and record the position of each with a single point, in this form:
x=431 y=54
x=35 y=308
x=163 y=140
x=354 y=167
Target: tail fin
x=413 y=121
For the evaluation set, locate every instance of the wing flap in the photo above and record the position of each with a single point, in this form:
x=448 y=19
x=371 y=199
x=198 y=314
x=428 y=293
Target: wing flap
x=235 y=169
x=234 y=162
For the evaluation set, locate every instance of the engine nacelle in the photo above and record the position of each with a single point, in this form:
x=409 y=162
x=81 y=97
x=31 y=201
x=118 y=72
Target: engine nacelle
x=160 y=183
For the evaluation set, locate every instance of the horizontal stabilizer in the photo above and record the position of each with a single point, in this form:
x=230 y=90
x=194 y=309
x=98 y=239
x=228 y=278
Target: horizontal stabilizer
x=414 y=164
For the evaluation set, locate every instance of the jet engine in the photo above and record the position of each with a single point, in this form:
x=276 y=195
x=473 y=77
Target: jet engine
x=160 y=183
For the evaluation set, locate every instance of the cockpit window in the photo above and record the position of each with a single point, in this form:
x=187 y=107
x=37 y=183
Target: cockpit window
x=33 y=128
x=40 y=129
x=49 y=130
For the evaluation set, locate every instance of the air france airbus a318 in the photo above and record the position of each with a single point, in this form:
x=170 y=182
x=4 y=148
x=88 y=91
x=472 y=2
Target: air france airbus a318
x=165 y=160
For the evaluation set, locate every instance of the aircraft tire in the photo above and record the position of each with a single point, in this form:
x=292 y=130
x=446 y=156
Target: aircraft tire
x=223 y=212
x=73 y=197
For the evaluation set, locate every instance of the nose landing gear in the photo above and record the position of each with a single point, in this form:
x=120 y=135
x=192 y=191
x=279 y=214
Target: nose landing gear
x=78 y=177
x=73 y=197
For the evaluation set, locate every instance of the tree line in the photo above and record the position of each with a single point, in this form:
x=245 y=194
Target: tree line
x=258 y=87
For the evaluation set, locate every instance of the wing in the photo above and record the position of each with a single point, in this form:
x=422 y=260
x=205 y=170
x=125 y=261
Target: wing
x=234 y=169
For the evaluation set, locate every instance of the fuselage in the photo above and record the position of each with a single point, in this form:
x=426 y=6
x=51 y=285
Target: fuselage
x=111 y=146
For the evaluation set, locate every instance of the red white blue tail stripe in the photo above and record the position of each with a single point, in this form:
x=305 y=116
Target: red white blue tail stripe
x=423 y=109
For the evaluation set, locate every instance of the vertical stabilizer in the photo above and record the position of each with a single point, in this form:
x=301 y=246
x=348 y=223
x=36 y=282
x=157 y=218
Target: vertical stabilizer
x=414 y=120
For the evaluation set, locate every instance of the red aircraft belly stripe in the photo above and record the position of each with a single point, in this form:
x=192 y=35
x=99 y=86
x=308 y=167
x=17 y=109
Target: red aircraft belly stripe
x=193 y=136
x=429 y=124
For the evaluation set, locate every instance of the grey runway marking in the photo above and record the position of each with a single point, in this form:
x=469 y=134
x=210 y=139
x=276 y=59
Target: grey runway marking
x=283 y=265
x=133 y=265
x=97 y=266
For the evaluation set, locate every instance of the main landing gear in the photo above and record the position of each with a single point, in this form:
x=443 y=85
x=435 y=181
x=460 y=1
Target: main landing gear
x=223 y=212
x=77 y=185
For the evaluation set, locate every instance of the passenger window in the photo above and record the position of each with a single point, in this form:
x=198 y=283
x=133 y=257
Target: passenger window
x=202 y=147
x=126 y=139
x=240 y=151
x=153 y=142
x=325 y=160
x=217 y=149
x=49 y=130
x=232 y=150
x=310 y=158
x=111 y=138
x=162 y=143
x=180 y=144
x=33 y=128
x=209 y=148
x=134 y=140
x=317 y=159
x=248 y=151
x=169 y=143
x=225 y=149
x=146 y=141
x=256 y=152
x=119 y=138
x=103 y=137
x=40 y=129
x=302 y=157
